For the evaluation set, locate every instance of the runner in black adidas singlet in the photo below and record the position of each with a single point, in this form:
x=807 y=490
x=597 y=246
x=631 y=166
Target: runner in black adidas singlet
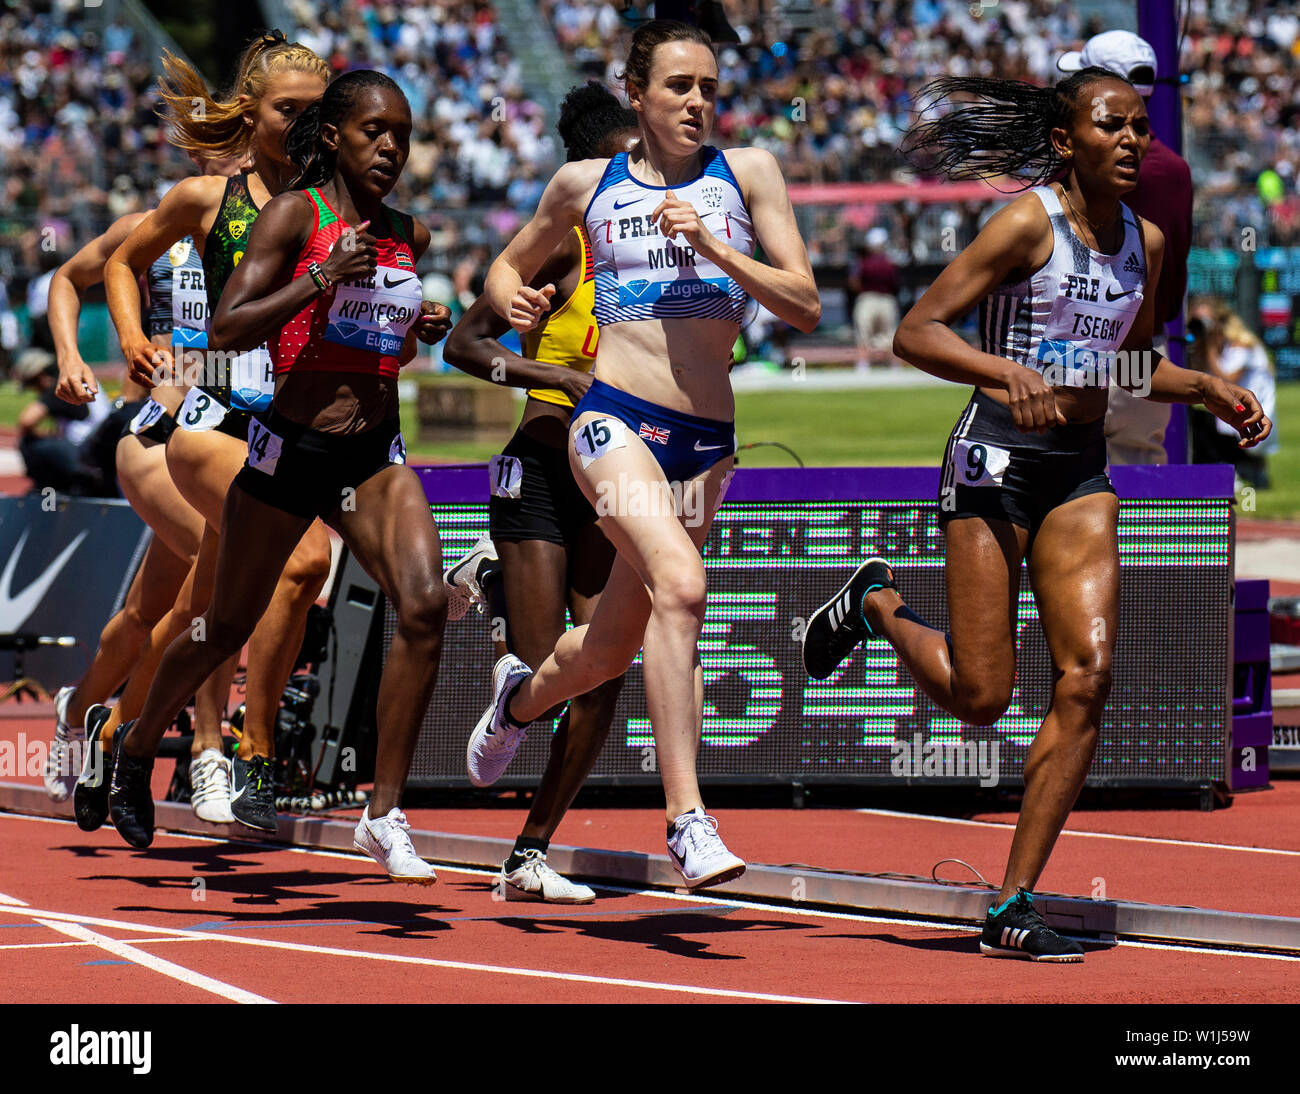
x=672 y=226
x=551 y=551
x=144 y=480
x=276 y=80
x=341 y=308
x=1060 y=277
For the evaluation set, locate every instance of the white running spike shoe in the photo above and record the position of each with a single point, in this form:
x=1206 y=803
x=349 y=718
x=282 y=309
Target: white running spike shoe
x=699 y=853
x=496 y=738
x=67 y=751
x=535 y=880
x=461 y=580
x=386 y=841
x=210 y=787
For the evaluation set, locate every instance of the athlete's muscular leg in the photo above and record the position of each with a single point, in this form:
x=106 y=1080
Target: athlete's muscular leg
x=277 y=638
x=186 y=616
x=970 y=671
x=204 y=465
x=536 y=575
x=251 y=529
x=142 y=473
x=127 y=633
x=658 y=557
x=393 y=535
x=1074 y=572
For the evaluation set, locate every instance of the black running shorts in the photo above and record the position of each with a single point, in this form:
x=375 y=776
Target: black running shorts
x=993 y=470
x=309 y=473
x=534 y=494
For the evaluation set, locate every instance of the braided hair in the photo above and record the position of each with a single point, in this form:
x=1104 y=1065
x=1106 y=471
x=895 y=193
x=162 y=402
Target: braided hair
x=985 y=128
x=302 y=144
x=588 y=115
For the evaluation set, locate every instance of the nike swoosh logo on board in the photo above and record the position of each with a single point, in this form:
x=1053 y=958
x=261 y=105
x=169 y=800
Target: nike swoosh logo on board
x=15 y=610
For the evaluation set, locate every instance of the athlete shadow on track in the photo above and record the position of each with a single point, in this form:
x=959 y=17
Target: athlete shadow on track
x=968 y=944
x=945 y=943
x=393 y=919
x=669 y=930
x=216 y=859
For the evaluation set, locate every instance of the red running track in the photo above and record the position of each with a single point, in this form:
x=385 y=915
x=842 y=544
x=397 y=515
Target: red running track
x=197 y=920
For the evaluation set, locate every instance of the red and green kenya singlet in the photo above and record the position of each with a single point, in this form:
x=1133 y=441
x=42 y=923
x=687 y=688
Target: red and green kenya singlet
x=355 y=326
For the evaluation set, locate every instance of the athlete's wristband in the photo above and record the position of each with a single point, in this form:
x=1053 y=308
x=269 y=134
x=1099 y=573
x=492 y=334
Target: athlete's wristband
x=318 y=276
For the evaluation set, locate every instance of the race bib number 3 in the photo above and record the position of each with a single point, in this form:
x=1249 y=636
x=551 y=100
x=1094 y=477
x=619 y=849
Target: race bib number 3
x=506 y=476
x=200 y=412
x=598 y=436
x=979 y=464
x=146 y=416
x=263 y=448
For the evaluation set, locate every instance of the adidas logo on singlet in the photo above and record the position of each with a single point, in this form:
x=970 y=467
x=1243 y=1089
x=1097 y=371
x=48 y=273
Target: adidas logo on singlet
x=1131 y=264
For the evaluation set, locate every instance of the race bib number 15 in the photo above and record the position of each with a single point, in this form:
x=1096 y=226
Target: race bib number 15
x=598 y=436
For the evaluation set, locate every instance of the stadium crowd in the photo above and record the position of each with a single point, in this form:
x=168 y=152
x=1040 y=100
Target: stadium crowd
x=80 y=143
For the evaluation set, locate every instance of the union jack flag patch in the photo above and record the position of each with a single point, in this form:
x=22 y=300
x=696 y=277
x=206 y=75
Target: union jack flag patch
x=654 y=433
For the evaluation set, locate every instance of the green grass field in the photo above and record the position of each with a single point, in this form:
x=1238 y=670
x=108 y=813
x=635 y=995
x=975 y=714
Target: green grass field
x=897 y=427
x=880 y=427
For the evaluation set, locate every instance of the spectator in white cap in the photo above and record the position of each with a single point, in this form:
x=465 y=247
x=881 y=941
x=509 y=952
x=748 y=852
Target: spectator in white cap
x=1118 y=51
x=1135 y=428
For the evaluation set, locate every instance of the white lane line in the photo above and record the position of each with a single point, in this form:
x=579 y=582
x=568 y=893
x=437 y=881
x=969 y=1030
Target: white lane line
x=775 y=909
x=150 y=961
x=1089 y=835
x=73 y=922
x=6 y=899
x=74 y=945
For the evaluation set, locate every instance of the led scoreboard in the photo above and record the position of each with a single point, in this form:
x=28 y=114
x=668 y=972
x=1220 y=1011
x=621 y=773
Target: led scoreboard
x=784 y=541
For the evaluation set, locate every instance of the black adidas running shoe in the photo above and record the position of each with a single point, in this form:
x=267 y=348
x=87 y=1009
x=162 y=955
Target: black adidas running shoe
x=837 y=626
x=252 y=793
x=130 y=797
x=1019 y=931
x=90 y=795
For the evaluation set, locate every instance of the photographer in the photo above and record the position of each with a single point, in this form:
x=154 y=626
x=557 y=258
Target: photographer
x=1221 y=344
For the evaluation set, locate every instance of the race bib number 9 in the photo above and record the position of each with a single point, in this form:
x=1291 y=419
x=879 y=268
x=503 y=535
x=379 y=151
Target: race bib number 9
x=598 y=436
x=506 y=476
x=263 y=448
x=979 y=464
